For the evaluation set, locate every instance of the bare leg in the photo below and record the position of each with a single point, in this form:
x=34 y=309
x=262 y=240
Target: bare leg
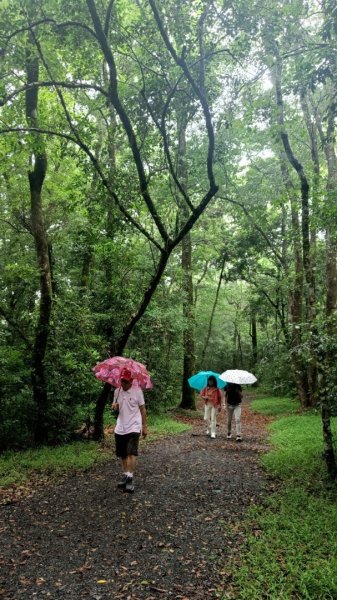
x=129 y=464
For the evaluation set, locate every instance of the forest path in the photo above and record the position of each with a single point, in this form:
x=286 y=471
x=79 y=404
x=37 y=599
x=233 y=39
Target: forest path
x=84 y=539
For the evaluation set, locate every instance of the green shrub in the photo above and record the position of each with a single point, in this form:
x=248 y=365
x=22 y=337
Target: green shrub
x=18 y=415
x=291 y=541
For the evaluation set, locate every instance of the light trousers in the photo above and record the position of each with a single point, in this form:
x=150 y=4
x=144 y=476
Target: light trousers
x=236 y=410
x=210 y=417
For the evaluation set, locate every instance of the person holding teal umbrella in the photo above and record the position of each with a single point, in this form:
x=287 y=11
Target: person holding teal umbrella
x=209 y=384
x=212 y=397
x=199 y=380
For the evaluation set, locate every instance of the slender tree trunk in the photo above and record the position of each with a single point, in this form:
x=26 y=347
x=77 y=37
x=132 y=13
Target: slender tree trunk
x=209 y=332
x=296 y=302
x=36 y=177
x=254 y=337
x=188 y=395
x=309 y=250
x=296 y=290
x=329 y=359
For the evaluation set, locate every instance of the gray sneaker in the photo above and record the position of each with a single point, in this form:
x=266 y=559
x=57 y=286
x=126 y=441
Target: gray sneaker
x=129 y=487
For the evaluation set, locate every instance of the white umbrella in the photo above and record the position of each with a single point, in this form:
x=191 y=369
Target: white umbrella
x=238 y=376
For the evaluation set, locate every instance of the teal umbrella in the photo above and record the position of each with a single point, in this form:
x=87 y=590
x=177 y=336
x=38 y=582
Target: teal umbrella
x=199 y=380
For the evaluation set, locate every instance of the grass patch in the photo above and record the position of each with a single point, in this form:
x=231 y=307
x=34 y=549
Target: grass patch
x=295 y=554
x=18 y=466
x=291 y=544
x=298 y=446
x=274 y=406
x=159 y=425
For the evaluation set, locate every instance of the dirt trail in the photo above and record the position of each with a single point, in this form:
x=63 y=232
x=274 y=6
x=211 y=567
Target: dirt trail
x=83 y=538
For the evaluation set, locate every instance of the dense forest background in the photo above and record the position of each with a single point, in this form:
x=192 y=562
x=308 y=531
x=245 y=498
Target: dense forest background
x=168 y=192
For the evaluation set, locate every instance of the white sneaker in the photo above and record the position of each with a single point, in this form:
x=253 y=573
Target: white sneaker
x=229 y=436
x=213 y=436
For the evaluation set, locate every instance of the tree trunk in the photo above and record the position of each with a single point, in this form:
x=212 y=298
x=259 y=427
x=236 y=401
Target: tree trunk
x=188 y=398
x=209 y=332
x=36 y=178
x=295 y=291
x=187 y=393
x=309 y=250
x=254 y=337
x=330 y=357
x=296 y=296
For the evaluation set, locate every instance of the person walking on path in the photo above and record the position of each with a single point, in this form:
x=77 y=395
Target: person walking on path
x=233 y=398
x=212 y=396
x=129 y=401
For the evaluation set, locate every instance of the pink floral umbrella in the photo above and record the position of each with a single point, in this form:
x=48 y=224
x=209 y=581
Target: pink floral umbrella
x=110 y=370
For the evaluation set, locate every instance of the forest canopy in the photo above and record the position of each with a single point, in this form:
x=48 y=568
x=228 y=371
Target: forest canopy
x=167 y=192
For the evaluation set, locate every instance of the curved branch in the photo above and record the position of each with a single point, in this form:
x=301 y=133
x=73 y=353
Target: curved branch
x=51 y=22
x=257 y=227
x=65 y=84
x=108 y=17
x=115 y=101
x=202 y=99
x=92 y=157
x=14 y=227
x=85 y=149
x=162 y=129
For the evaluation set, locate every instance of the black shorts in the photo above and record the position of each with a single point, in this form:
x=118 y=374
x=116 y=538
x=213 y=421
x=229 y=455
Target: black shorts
x=127 y=445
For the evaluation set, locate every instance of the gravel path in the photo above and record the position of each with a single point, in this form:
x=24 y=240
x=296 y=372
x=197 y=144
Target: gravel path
x=83 y=538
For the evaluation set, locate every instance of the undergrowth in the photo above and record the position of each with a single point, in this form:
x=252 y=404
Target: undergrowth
x=291 y=546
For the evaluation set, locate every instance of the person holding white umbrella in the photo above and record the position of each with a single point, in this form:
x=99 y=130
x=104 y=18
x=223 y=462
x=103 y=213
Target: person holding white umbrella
x=233 y=396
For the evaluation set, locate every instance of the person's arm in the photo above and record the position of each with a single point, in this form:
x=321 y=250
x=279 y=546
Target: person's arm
x=115 y=405
x=144 y=420
x=203 y=394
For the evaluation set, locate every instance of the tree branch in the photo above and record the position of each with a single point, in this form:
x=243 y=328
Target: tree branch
x=64 y=84
x=85 y=149
x=257 y=227
x=183 y=65
x=115 y=101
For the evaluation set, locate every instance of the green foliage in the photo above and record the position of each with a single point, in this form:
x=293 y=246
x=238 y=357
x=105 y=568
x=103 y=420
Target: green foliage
x=291 y=544
x=274 y=370
x=103 y=264
x=18 y=417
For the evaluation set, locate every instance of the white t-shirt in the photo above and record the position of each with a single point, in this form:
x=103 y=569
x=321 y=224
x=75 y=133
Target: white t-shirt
x=129 y=418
